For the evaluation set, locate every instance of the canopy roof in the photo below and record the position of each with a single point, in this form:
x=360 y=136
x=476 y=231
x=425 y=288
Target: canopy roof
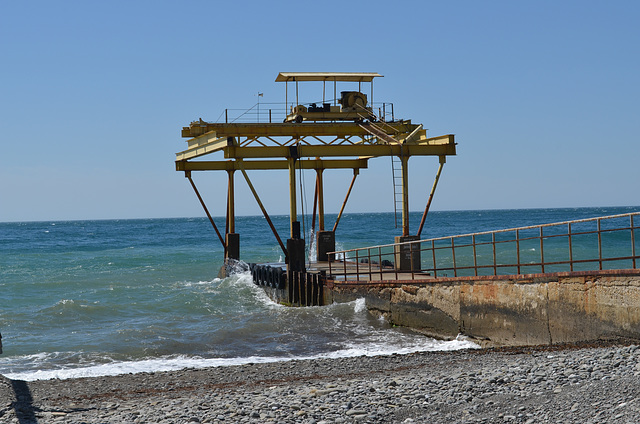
x=327 y=76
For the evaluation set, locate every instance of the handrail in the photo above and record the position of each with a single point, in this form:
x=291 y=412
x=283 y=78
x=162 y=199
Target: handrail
x=523 y=251
x=272 y=112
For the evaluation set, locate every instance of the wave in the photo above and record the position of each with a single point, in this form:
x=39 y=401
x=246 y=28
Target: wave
x=178 y=362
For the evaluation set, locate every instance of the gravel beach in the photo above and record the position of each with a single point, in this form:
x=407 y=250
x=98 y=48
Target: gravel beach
x=524 y=385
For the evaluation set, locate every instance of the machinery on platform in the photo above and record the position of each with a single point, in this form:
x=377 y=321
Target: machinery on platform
x=353 y=105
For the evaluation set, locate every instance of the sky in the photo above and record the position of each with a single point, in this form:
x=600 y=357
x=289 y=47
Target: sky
x=541 y=96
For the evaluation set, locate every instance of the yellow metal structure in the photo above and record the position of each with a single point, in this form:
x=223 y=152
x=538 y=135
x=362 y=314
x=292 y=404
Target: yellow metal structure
x=291 y=146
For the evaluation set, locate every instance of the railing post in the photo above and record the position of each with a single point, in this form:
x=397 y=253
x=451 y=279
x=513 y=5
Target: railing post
x=570 y=249
x=411 y=259
x=453 y=256
x=344 y=264
x=475 y=257
x=357 y=266
x=493 y=245
x=541 y=251
x=433 y=251
x=599 y=245
x=518 y=250
x=633 y=242
x=479 y=262
x=380 y=261
x=330 y=259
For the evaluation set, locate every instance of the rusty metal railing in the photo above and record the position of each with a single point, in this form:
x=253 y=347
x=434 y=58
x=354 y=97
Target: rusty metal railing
x=608 y=242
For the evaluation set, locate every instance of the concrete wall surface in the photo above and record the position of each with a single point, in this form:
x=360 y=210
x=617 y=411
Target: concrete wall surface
x=508 y=310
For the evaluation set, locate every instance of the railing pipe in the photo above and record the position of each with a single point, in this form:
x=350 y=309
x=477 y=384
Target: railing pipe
x=544 y=263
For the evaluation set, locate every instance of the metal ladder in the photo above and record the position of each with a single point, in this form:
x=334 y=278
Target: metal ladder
x=396 y=168
x=396 y=173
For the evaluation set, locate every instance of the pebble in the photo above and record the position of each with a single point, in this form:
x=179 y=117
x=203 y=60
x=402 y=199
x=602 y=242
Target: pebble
x=585 y=385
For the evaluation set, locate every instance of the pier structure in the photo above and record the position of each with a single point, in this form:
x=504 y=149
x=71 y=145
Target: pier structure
x=476 y=284
x=326 y=137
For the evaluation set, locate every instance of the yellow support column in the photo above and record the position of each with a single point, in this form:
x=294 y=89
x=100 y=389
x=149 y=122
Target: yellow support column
x=320 y=200
x=231 y=200
x=231 y=237
x=296 y=244
x=405 y=195
x=293 y=213
x=407 y=256
x=326 y=239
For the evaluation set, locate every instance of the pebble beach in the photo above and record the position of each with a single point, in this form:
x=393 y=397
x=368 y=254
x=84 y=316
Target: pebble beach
x=575 y=384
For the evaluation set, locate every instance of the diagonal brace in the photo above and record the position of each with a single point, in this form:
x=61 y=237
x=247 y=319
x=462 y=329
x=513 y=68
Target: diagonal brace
x=264 y=211
x=188 y=175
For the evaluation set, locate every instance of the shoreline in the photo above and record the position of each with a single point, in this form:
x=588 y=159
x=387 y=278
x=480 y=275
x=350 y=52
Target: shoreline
x=575 y=383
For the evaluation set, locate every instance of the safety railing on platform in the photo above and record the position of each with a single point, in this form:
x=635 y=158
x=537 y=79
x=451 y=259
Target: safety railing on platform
x=277 y=112
x=608 y=242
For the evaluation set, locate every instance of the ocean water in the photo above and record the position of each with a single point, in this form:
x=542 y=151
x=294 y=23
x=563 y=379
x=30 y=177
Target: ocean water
x=91 y=298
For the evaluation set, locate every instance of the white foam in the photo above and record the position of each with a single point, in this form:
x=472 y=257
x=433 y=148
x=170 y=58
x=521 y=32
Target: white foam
x=359 y=305
x=181 y=362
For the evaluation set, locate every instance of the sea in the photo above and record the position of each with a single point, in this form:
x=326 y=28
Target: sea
x=108 y=297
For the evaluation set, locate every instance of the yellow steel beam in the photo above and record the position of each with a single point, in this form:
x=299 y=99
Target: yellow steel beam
x=339 y=129
x=416 y=135
x=437 y=146
x=443 y=160
x=353 y=180
x=202 y=145
x=230 y=165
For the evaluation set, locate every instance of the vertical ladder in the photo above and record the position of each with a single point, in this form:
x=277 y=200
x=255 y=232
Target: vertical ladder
x=396 y=166
x=396 y=174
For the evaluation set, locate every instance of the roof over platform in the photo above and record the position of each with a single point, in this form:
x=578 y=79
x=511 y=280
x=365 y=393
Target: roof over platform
x=327 y=76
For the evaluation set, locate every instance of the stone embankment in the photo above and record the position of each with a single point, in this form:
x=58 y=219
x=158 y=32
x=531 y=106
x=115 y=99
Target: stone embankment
x=517 y=310
x=552 y=385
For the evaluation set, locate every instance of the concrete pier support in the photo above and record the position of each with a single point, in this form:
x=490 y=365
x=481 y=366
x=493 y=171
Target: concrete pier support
x=407 y=256
x=233 y=246
x=296 y=249
x=326 y=244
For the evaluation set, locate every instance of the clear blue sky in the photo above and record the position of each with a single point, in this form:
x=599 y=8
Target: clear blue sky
x=543 y=98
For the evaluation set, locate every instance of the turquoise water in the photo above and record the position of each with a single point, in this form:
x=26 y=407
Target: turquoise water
x=107 y=297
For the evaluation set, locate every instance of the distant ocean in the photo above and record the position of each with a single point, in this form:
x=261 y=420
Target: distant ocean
x=91 y=298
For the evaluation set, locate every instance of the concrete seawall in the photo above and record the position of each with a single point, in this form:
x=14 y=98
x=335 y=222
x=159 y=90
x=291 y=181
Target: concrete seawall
x=513 y=310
